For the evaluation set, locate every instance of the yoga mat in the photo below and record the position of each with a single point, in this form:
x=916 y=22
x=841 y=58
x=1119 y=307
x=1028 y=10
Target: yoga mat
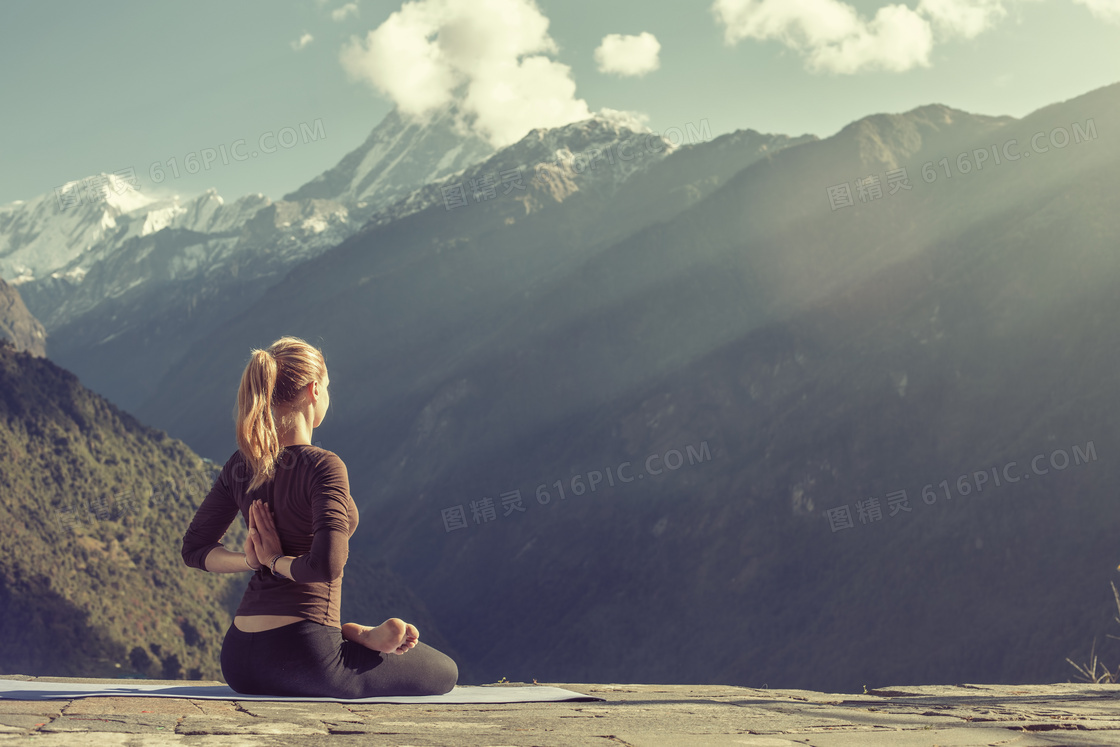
x=462 y=694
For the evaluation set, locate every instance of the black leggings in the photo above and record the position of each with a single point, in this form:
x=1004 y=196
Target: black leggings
x=306 y=658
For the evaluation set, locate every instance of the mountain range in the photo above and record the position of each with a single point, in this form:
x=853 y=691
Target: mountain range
x=831 y=340
x=122 y=280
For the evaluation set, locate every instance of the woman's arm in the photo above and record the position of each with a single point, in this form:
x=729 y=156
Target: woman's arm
x=202 y=547
x=221 y=560
x=210 y=522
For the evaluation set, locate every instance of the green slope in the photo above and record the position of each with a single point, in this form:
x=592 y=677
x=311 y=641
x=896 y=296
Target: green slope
x=94 y=506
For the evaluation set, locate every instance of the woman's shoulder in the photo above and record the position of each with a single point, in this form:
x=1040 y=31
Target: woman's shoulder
x=311 y=455
x=234 y=459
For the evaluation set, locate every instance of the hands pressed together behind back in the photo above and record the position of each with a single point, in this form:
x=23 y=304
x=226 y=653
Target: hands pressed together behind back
x=263 y=543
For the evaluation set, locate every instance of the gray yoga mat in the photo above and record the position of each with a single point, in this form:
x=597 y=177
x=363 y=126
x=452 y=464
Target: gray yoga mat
x=463 y=694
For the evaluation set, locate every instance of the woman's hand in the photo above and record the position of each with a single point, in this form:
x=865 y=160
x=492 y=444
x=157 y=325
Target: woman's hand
x=251 y=555
x=262 y=534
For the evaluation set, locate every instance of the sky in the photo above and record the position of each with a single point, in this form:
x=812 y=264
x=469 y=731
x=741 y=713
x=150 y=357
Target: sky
x=130 y=87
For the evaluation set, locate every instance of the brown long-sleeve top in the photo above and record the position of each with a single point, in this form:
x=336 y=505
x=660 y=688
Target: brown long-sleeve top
x=315 y=517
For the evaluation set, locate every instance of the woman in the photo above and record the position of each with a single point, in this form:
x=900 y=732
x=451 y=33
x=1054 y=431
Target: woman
x=285 y=638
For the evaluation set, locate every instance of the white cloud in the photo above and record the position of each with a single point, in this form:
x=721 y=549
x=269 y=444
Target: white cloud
x=628 y=55
x=832 y=37
x=896 y=39
x=962 y=18
x=830 y=34
x=636 y=121
x=1105 y=10
x=302 y=42
x=340 y=14
x=488 y=56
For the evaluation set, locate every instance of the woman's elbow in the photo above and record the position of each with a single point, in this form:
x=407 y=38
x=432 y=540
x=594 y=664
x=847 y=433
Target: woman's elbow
x=188 y=552
x=322 y=572
x=334 y=570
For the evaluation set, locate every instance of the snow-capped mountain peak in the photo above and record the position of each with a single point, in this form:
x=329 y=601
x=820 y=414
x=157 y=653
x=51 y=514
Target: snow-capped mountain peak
x=399 y=156
x=41 y=234
x=600 y=152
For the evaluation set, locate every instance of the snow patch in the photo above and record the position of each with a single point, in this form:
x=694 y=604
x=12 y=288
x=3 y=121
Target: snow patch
x=157 y=220
x=315 y=225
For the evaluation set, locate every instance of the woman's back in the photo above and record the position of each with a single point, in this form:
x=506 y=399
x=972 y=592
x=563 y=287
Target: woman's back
x=315 y=516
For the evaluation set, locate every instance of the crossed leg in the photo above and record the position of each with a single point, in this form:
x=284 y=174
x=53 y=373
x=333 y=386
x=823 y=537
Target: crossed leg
x=394 y=636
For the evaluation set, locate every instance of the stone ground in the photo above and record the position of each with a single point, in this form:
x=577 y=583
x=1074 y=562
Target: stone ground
x=638 y=715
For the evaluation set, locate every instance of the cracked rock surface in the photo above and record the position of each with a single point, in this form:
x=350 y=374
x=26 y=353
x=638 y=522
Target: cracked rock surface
x=637 y=715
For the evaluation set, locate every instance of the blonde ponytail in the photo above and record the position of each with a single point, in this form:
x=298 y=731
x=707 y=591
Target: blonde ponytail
x=273 y=377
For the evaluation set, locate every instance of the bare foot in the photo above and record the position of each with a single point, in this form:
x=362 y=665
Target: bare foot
x=394 y=636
